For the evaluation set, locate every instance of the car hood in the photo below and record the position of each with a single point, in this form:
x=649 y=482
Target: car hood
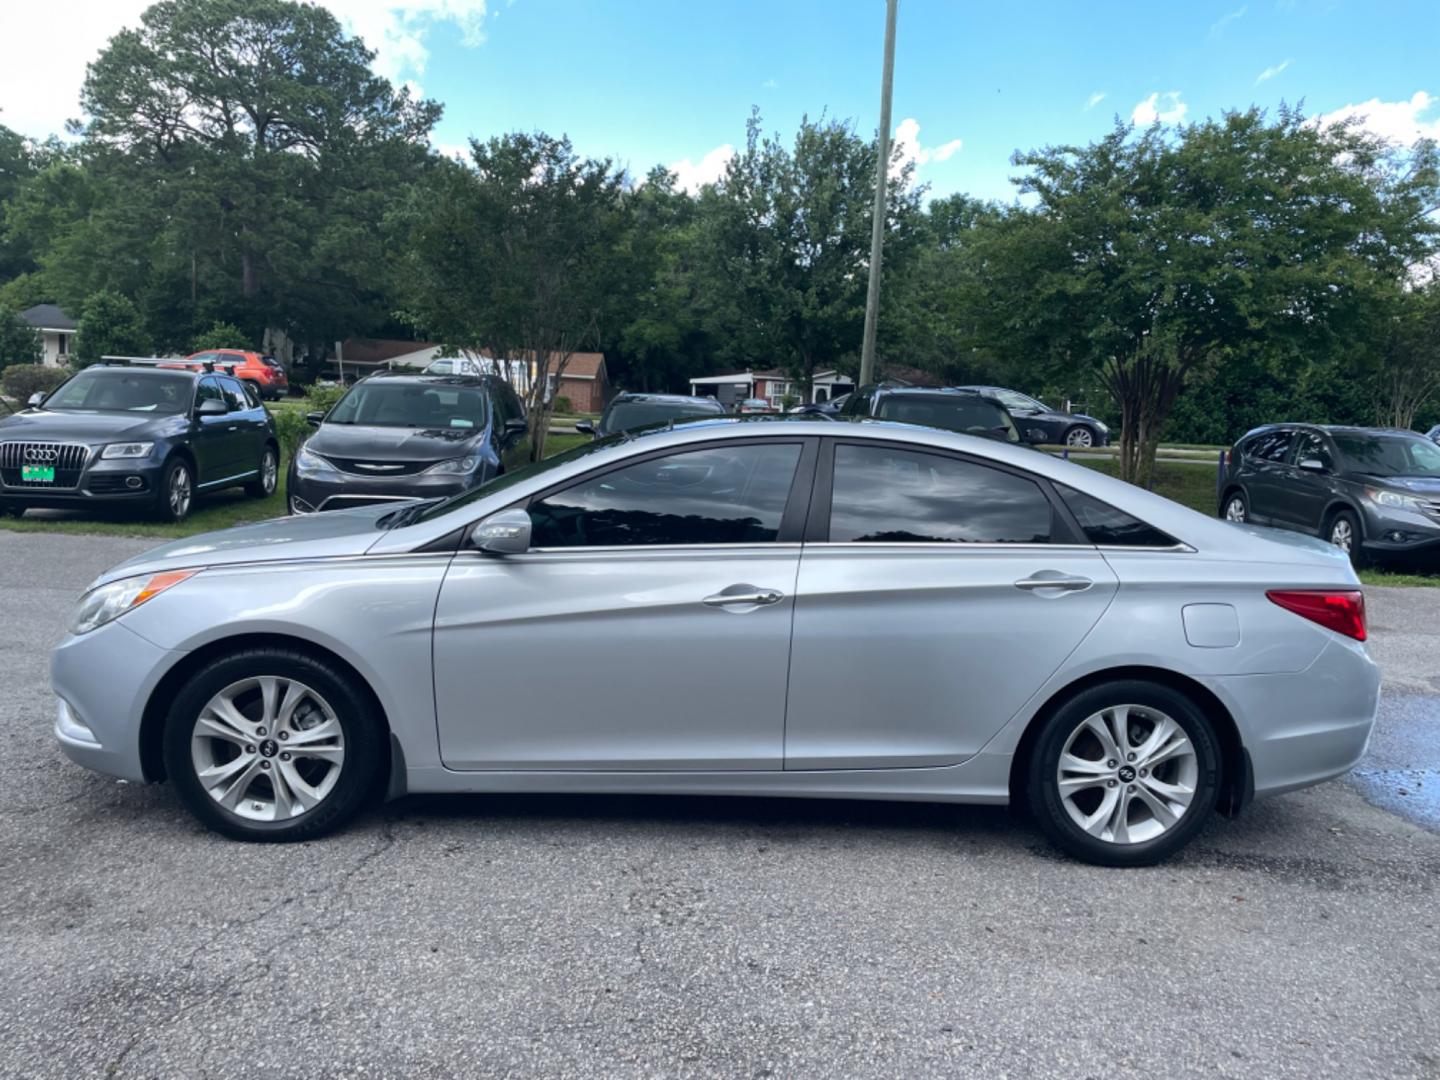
x=85 y=425
x=308 y=536
x=1416 y=485
x=392 y=443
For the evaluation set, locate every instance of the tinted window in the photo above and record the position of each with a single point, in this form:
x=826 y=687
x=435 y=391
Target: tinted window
x=1311 y=447
x=1272 y=446
x=235 y=398
x=963 y=413
x=1382 y=455
x=628 y=415
x=902 y=496
x=252 y=395
x=724 y=495
x=1103 y=524
x=1012 y=400
x=117 y=390
x=411 y=405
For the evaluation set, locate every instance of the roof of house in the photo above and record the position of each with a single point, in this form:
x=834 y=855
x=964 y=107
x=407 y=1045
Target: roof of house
x=48 y=317
x=582 y=365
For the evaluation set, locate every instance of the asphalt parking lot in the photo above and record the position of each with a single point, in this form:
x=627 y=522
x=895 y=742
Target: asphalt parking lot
x=705 y=937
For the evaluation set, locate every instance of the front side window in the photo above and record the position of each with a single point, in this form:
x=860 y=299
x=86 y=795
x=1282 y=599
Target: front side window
x=411 y=405
x=1311 y=447
x=889 y=496
x=209 y=390
x=1106 y=526
x=235 y=398
x=115 y=390
x=1013 y=400
x=719 y=495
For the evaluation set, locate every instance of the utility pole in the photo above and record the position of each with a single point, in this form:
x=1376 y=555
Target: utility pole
x=877 y=225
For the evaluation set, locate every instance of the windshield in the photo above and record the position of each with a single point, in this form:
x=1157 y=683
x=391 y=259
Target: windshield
x=1389 y=455
x=411 y=405
x=1012 y=399
x=634 y=414
x=969 y=415
x=117 y=390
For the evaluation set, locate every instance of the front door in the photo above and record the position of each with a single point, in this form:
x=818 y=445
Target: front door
x=1306 y=492
x=943 y=594
x=215 y=439
x=648 y=628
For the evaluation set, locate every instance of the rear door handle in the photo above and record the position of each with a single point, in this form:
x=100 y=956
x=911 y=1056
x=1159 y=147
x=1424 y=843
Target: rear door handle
x=741 y=595
x=1049 y=579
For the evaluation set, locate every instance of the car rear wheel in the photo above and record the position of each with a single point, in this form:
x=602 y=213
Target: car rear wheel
x=263 y=486
x=1235 y=509
x=1344 y=532
x=1124 y=773
x=177 y=491
x=274 y=745
x=1080 y=437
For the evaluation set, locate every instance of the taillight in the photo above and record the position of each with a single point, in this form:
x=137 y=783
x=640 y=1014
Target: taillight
x=1341 y=610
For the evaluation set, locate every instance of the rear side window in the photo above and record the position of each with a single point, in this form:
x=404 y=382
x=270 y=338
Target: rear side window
x=721 y=495
x=889 y=496
x=1272 y=446
x=1107 y=526
x=235 y=397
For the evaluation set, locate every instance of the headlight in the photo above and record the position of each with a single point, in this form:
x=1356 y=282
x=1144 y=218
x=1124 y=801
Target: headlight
x=309 y=461
x=127 y=449
x=456 y=466
x=99 y=606
x=1394 y=500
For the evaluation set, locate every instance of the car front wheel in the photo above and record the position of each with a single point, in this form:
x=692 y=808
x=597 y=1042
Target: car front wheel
x=177 y=491
x=274 y=745
x=1080 y=437
x=1344 y=533
x=1124 y=773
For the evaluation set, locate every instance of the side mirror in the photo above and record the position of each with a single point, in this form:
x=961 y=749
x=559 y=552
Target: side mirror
x=585 y=427
x=36 y=399
x=211 y=407
x=1311 y=464
x=516 y=425
x=314 y=418
x=505 y=533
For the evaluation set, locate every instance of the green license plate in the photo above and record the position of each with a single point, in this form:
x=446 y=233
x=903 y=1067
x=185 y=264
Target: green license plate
x=37 y=474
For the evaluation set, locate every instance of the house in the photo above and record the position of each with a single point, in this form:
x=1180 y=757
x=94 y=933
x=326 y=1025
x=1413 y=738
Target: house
x=772 y=385
x=56 y=328
x=358 y=356
x=585 y=381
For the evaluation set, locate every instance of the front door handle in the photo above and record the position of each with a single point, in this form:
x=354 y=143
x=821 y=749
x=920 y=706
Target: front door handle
x=743 y=595
x=1049 y=579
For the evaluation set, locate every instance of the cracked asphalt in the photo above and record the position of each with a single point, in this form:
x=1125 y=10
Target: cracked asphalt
x=584 y=937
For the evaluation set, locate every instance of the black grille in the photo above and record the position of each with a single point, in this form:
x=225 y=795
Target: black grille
x=358 y=466
x=67 y=458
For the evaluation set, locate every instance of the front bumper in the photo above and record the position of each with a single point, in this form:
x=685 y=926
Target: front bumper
x=103 y=681
x=1399 y=532
x=313 y=492
x=107 y=481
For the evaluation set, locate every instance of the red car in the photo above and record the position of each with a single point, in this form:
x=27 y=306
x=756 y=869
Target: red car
x=265 y=373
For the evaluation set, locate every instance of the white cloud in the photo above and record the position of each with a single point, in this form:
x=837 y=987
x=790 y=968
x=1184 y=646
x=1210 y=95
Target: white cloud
x=1166 y=107
x=40 y=84
x=907 y=140
x=1397 y=121
x=691 y=177
x=1270 y=72
x=1218 y=27
x=1094 y=99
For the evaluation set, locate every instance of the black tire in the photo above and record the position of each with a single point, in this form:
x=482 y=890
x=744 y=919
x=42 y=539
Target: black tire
x=1043 y=785
x=263 y=486
x=363 y=731
x=174 y=509
x=1342 y=528
x=1081 y=437
x=1234 y=498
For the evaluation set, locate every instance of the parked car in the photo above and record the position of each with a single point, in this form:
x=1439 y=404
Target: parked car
x=1368 y=491
x=951 y=409
x=1040 y=423
x=628 y=411
x=755 y=407
x=396 y=436
x=263 y=372
x=1434 y=434
x=897 y=612
x=145 y=437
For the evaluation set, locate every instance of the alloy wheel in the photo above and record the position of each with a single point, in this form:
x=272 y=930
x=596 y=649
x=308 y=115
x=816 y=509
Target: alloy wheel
x=1080 y=437
x=1127 y=774
x=1235 y=510
x=269 y=471
x=1342 y=534
x=179 y=493
x=267 y=748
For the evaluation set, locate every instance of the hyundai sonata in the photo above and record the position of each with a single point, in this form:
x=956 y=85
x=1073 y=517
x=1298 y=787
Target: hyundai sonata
x=731 y=607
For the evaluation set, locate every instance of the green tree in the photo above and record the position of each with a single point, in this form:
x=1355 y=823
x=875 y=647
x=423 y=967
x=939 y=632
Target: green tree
x=1407 y=376
x=1151 y=259
x=221 y=336
x=512 y=257
x=109 y=326
x=20 y=343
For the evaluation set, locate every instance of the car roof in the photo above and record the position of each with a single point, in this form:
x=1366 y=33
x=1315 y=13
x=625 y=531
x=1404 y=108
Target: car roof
x=664 y=399
x=937 y=392
x=147 y=371
x=422 y=378
x=1329 y=429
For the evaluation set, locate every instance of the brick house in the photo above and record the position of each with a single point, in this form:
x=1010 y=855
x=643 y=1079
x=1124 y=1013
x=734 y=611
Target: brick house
x=585 y=381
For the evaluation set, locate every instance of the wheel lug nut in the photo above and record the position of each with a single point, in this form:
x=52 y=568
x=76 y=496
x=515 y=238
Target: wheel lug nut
x=1128 y=757
x=1144 y=773
x=283 y=736
x=284 y=757
x=264 y=764
x=1111 y=783
x=249 y=749
x=261 y=733
x=1130 y=787
x=1111 y=763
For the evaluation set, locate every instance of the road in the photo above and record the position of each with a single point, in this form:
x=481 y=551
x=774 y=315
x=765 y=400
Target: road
x=703 y=937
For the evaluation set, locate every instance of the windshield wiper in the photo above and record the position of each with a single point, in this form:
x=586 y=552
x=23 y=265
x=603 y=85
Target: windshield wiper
x=406 y=515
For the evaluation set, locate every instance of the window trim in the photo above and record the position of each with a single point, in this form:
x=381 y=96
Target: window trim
x=1065 y=531
x=792 y=518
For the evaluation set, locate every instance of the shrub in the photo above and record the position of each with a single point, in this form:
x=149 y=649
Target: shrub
x=323 y=396
x=563 y=405
x=21 y=380
x=20 y=342
x=292 y=428
x=222 y=335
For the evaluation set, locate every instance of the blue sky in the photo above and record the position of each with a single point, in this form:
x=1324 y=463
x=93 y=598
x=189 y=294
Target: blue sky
x=672 y=81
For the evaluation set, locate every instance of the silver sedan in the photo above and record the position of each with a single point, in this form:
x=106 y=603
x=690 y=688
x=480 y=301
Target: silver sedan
x=736 y=608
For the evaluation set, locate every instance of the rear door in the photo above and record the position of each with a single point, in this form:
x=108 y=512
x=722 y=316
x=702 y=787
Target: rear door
x=1302 y=499
x=936 y=594
x=1267 y=475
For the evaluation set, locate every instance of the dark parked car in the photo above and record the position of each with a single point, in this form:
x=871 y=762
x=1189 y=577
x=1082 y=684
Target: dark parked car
x=143 y=437
x=397 y=436
x=952 y=409
x=1048 y=425
x=1369 y=491
x=629 y=411
x=1434 y=434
